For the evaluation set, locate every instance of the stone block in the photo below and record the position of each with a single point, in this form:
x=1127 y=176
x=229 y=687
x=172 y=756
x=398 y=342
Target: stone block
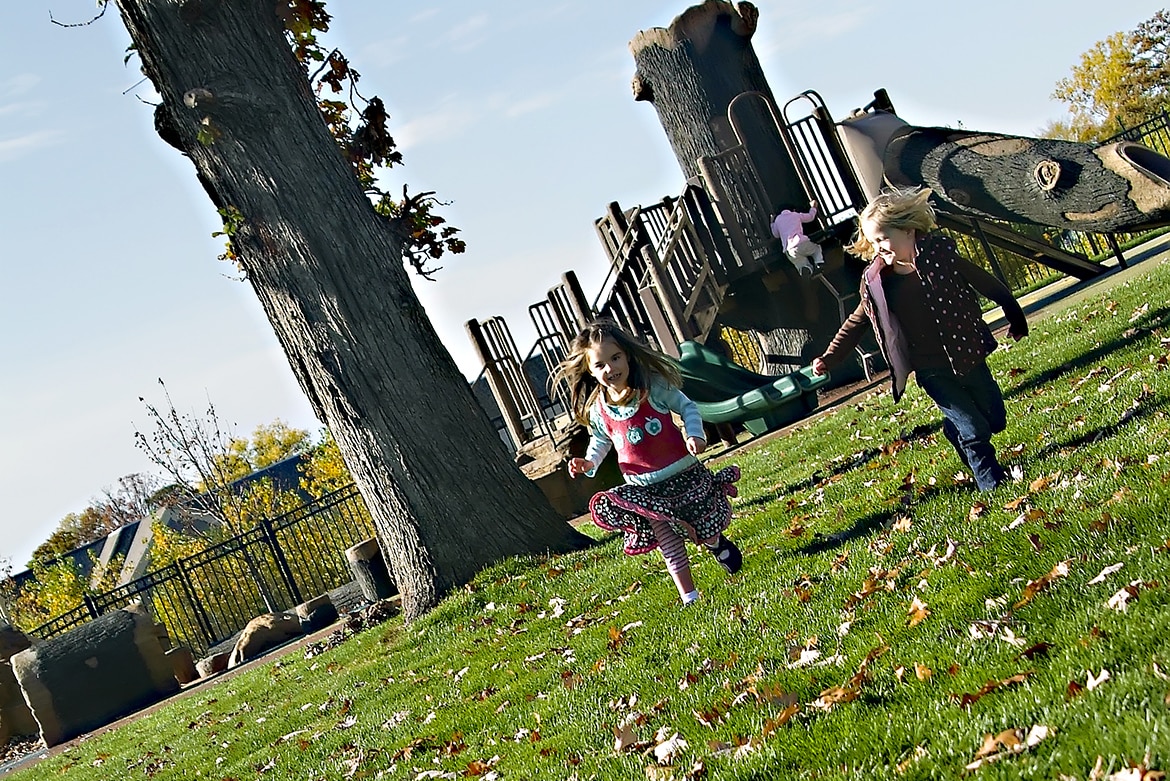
x=94 y=674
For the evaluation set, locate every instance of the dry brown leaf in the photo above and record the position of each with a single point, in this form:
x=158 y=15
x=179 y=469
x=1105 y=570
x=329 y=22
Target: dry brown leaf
x=1120 y=600
x=1007 y=743
x=919 y=753
x=1039 y=484
x=977 y=510
x=840 y=563
x=1015 y=504
x=922 y=672
x=918 y=611
x=624 y=737
x=771 y=725
x=1039 y=649
x=1039 y=584
x=967 y=700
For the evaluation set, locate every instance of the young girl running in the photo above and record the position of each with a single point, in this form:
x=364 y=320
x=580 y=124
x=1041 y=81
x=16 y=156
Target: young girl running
x=918 y=296
x=625 y=393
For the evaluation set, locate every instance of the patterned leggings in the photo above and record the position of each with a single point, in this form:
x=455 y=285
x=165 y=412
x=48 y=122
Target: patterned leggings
x=673 y=547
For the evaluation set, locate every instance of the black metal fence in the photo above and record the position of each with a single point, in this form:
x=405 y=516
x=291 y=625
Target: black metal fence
x=205 y=598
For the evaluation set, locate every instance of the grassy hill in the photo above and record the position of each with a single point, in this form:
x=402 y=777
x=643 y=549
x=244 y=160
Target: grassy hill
x=889 y=621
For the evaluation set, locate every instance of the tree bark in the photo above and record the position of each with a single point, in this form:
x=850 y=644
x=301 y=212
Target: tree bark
x=329 y=274
x=692 y=70
x=1113 y=187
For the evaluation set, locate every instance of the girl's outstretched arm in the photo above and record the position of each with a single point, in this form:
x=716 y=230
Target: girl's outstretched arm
x=991 y=288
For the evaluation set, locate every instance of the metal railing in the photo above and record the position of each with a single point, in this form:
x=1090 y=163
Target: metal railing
x=206 y=598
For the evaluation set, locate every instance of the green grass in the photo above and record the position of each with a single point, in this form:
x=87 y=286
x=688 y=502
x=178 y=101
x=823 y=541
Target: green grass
x=844 y=522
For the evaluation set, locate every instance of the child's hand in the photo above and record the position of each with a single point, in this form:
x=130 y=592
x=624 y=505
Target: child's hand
x=579 y=466
x=818 y=366
x=695 y=446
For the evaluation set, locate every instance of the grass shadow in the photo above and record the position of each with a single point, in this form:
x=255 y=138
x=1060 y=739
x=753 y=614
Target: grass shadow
x=1141 y=328
x=856 y=461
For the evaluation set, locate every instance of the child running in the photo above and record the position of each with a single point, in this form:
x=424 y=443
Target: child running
x=918 y=296
x=625 y=392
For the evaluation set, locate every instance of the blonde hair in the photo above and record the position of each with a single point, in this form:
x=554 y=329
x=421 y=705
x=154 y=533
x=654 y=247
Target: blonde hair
x=645 y=364
x=902 y=208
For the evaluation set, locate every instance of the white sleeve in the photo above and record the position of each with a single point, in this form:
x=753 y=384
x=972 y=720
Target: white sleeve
x=599 y=442
x=676 y=401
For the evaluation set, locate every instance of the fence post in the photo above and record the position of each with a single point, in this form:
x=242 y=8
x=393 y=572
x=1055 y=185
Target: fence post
x=281 y=562
x=200 y=615
x=91 y=606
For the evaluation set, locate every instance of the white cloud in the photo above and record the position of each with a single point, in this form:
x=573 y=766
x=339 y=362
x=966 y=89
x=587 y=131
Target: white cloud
x=387 y=52
x=793 y=32
x=12 y=148
x=468 y=34
x=18 y=84
x=534 y=103
x=443 y=124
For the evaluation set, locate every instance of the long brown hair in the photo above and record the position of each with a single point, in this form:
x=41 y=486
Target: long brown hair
x=645 y=364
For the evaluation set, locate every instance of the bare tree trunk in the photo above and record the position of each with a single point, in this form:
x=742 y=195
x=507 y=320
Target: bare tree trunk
x=692 y=70
x=329 y=274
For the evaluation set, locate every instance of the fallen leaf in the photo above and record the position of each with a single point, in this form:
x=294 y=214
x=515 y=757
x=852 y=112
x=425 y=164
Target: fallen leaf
x=1106 y=573
x=665 y=751
x=967 y=700
x=624 y=737
x=1014 y=504
x=919 y=753
x=1096 y=680
x=1120 y=600
x=1039 y=484
x=918 y=611
x=1039 y=649
x=1007 y=743
x=1036 y=586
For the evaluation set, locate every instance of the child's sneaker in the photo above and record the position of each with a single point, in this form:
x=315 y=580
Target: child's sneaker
x=727 y=554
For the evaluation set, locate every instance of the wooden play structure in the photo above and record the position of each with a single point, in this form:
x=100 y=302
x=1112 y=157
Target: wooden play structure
x=696 y=274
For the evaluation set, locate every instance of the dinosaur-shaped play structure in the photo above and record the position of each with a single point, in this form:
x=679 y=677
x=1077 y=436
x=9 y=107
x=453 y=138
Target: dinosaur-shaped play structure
x=700 y=276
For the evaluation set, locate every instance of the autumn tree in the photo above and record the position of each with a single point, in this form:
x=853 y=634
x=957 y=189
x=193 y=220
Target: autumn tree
x=1122 y=81
x=127 y=501
x=206 y=462
x=328 y=271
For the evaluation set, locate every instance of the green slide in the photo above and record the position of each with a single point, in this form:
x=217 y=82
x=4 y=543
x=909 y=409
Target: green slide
x=729 y=393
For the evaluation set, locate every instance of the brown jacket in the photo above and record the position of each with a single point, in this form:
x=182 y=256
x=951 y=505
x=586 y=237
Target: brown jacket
x=950 y=283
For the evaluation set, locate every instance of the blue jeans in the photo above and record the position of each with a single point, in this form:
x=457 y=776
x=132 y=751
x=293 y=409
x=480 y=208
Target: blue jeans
x=972 y=406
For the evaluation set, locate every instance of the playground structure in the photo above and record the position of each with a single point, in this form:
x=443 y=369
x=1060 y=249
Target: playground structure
x=701 y=278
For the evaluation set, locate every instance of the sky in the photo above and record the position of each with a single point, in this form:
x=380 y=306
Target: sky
x=518 y=113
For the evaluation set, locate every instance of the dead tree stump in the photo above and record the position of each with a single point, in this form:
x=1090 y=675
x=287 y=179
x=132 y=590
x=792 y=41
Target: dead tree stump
x=15 y=716
x=369 y=570
x=94 y=674
x=691 y=71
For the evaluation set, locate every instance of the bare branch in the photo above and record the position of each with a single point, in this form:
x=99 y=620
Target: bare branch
x=104 y=4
